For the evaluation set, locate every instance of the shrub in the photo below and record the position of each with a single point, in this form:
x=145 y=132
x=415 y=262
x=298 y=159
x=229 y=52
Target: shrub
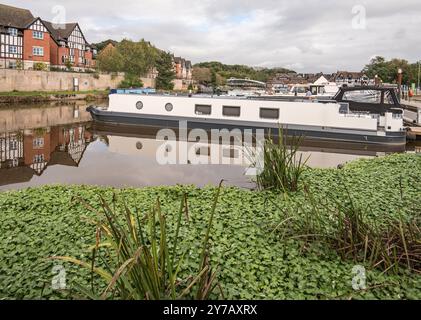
x=131 y=81
x=39 y=66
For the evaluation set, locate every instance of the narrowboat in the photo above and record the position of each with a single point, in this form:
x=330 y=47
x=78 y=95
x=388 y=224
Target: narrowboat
x=356 y=114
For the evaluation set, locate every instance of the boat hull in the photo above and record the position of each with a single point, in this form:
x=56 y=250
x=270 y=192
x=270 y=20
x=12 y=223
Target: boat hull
x=308 y=132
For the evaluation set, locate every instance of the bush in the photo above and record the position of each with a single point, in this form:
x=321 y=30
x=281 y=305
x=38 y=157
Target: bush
x=39 y=66
x=131 y=81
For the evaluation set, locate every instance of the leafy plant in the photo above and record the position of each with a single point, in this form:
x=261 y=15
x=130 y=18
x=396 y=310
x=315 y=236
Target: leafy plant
x=282 y=167
x=141 y=262
x=39 y=66
x=131 y=81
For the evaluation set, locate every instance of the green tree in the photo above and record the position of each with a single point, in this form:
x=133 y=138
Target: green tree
x=137 y=57
x=224 y=71
x=388 y=70
x=166 y=73
x=68 y=64
x=110 y=59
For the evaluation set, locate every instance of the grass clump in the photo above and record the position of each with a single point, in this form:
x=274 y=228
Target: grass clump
x=282 y=165
x=141 y=262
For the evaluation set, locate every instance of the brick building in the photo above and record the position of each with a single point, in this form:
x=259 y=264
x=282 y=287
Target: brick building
x=183 y=69
x=28 y=42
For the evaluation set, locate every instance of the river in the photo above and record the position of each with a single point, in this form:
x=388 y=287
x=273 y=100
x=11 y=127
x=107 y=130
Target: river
x=59 y=144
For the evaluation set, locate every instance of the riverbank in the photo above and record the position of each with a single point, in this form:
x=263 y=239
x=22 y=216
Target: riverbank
x=257 y=257
x=21 y=97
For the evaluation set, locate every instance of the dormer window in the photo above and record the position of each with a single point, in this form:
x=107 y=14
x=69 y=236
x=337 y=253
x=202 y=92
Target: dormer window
x=13 y=32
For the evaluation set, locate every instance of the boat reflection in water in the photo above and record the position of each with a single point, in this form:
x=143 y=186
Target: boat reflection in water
x=60 y=145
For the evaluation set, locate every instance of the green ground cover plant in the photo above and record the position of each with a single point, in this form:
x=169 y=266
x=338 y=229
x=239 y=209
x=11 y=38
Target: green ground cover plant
x=261 y=249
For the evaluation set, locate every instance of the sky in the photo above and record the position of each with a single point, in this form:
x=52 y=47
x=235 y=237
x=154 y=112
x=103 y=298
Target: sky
x=303 y=35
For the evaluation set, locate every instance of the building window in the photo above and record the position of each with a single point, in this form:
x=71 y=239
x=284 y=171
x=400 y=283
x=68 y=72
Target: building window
x=13 y=145
x=38 y=35
x=266 y=113
x=38 y=51
x=15 y=162
x=38 y=158
x=201 y=109
x=13 y=49
x=231 y=111
x=13 y=32
x=38 y=143
x=13 y=65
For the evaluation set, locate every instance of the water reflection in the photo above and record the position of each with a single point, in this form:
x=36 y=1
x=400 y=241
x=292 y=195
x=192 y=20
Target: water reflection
x=59 y=144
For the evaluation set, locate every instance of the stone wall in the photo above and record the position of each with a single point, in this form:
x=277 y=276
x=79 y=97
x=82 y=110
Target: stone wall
x=26 y=80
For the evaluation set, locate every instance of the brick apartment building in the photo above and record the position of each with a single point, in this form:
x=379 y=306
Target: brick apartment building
x=183 y=68
x=28 y=42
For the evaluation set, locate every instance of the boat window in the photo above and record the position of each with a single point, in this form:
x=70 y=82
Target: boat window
x=202 y=109
x=139 y=105
x=364 y=96
x=169 y=107
x=314 y=91
x=388 y=99
x=266 y=113
x=343 y=108
x=231 y=111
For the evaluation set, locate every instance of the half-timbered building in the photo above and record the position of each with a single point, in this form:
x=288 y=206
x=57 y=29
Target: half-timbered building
x=13 y=23
x=26 y=42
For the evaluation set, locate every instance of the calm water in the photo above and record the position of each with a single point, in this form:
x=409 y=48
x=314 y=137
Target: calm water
x=58 y=144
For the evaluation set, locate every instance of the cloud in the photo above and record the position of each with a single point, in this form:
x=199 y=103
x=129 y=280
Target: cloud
x=312 y=35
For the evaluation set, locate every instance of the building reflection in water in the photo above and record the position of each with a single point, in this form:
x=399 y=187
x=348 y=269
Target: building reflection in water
x=29 y=152
x=33 y=138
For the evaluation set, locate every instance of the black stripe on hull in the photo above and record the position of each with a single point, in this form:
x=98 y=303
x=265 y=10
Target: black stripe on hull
x=398 y=138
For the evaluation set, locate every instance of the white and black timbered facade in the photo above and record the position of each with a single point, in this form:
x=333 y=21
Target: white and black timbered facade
x=11 y=149
x=38 y=29
x=11 y=43
x=77 y=45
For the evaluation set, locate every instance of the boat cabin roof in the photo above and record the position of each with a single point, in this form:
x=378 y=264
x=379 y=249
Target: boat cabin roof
x=372 y=99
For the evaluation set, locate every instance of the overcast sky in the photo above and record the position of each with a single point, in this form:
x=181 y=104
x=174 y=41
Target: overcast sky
x=307 y=35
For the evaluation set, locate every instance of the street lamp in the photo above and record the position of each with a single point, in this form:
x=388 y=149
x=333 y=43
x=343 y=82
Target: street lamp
x=419 y=69
x=400 y=82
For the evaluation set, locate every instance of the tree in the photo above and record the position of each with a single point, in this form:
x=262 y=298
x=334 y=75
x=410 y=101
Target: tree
x=202 y=75
x=224 y=71
x=68 y=64
x=110 y=59
x=388 y=70
x=166 y=73
x=137 y=57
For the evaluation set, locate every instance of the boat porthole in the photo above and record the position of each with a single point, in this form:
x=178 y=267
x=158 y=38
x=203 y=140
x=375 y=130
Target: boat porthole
x=139 y=145
x=139 y=105
x=169 y=107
